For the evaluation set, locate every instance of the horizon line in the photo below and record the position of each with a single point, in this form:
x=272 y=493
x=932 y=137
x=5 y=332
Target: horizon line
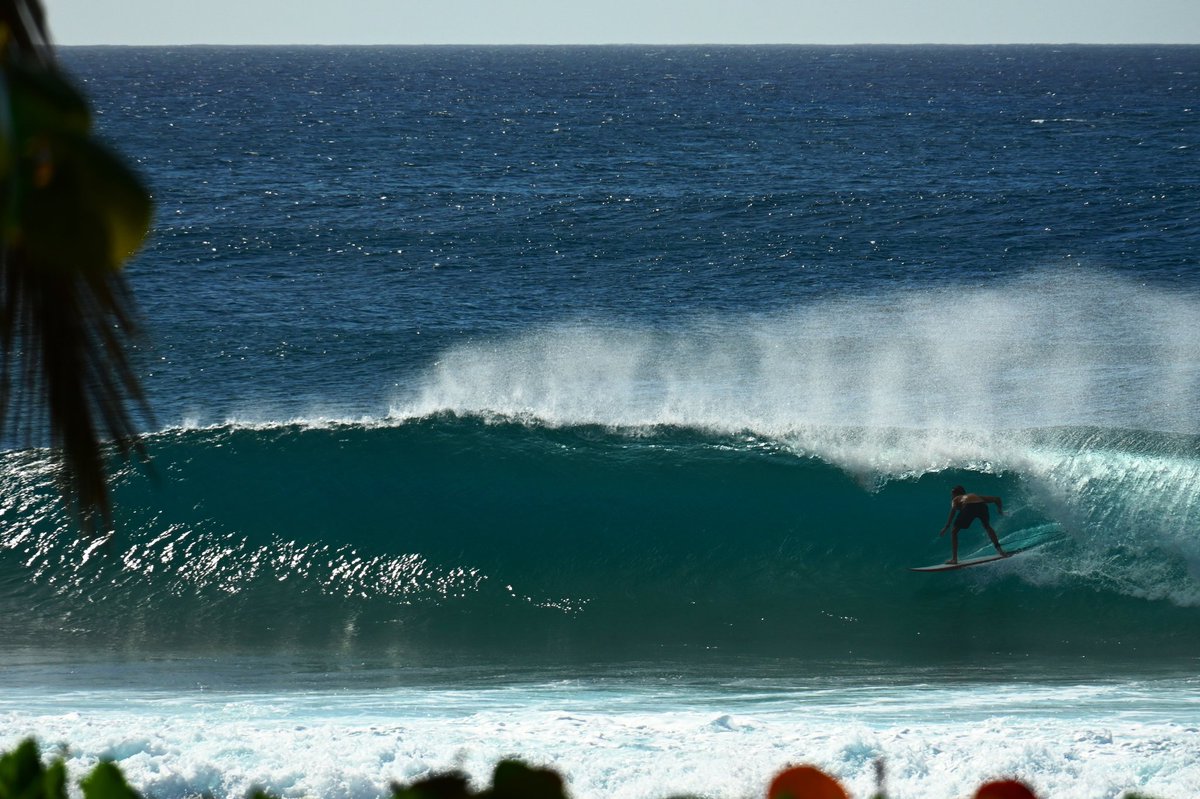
x=637 y=44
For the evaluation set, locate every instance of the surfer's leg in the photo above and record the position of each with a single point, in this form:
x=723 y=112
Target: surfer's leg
x=995 y=541
x=953 y=546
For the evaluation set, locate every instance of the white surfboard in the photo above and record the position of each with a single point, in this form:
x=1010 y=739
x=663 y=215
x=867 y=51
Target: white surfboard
x=962 y=564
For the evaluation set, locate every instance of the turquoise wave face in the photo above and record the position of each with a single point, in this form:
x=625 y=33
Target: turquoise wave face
x=451 y=535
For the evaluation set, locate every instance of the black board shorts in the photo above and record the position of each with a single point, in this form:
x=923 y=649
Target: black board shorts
x=969 y=513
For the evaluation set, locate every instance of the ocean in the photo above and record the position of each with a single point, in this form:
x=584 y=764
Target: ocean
x=590 y=405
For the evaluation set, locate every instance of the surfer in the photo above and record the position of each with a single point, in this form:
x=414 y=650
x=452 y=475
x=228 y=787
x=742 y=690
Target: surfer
x=970 y=507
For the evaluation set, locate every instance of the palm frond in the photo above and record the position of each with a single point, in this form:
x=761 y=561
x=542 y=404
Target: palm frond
x=72 y=213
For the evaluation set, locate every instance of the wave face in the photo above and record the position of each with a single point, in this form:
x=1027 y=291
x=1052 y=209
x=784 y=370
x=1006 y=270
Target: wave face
x=466 y=534
x=747 y=483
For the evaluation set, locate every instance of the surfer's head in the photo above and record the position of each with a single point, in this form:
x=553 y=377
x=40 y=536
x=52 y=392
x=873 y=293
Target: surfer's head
x=957 y=491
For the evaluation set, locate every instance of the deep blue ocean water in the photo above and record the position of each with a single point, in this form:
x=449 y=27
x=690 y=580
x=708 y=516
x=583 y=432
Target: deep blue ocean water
x=591 y=404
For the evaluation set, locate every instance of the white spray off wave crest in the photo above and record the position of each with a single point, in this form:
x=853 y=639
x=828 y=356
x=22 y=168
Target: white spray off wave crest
x=949 y=368
x=905 y=384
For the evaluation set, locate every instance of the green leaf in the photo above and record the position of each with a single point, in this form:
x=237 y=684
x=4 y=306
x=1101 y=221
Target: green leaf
x=107 y=782
x=119 y=198
x=72 y=204
x=42 y=99
x=21 y=771
x=514 y=780
x=440 y=786
x=22 y=775
x=88 y=212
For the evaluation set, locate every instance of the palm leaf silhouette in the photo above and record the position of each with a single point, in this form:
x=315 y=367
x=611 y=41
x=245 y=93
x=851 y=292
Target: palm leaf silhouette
x=72 y=214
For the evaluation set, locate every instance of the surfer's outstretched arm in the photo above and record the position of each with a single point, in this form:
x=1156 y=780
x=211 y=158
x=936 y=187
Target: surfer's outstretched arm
x=949 y=519
x=997 y=502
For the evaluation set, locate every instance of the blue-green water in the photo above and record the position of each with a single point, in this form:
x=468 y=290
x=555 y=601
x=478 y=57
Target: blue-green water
x=594 y=402
x=455 y=537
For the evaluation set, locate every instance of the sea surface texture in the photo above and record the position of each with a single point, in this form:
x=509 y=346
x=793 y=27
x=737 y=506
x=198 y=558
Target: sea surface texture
x=590 y=405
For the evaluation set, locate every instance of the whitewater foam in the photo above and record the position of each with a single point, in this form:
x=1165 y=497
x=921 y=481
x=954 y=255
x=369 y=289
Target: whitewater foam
x=630 y=740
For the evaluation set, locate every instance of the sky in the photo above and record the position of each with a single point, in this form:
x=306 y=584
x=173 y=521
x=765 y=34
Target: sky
x=159 y=22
